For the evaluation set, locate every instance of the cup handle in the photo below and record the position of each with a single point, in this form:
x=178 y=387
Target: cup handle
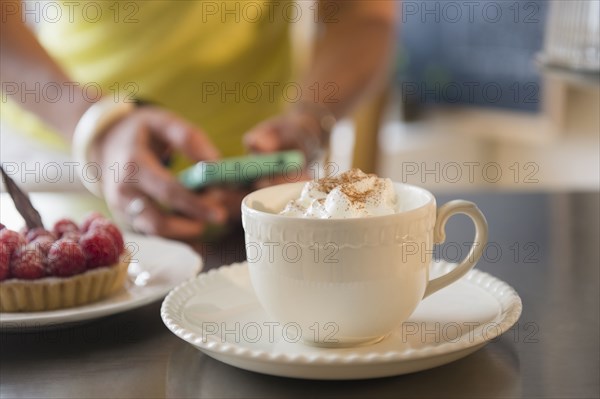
x=481 y=236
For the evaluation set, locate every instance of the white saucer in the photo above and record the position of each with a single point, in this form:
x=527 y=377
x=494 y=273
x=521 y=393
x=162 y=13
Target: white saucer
x=219 y=314
x=157 y=265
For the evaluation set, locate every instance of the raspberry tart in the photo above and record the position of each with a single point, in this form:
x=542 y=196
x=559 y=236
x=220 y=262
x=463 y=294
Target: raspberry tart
x=69 y=266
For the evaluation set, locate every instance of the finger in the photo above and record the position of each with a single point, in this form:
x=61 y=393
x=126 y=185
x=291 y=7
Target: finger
x=217 y=193
x=152 y=220
x=126 y=201
x=180 y=134
x=262 y=139
x=232 y=200
x=159 y=184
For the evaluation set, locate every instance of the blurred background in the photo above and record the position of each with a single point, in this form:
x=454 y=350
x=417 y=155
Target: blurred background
x=486 y=95
x=502 y=96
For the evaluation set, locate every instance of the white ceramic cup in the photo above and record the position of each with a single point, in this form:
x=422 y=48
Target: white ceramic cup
x=345 y=282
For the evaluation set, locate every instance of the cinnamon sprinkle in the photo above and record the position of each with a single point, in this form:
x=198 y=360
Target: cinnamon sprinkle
x=347 y=185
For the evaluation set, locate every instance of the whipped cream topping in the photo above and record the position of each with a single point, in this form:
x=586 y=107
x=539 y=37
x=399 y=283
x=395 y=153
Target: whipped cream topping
x=352 y=194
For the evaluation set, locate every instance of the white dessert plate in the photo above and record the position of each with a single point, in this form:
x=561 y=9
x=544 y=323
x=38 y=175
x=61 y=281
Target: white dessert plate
x=157 y=265
x=218 y=313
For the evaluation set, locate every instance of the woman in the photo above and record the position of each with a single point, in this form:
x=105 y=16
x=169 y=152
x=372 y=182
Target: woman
x=221 y=72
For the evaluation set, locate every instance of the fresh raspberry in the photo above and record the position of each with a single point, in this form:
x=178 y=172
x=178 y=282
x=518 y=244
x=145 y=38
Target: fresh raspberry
x=44 y=243
x=99 y=248
x=89 y=219
x=65 y=258
x=4 y=265
x=63 y=226
x=11 y=240
x=111 y=229
x=72 y=235
x=38 y=232
x=28 y=263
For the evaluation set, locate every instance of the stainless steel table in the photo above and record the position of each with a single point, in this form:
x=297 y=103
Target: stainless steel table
x=546 y=245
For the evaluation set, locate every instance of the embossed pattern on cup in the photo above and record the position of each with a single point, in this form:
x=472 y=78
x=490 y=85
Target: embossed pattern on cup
x=340 y=282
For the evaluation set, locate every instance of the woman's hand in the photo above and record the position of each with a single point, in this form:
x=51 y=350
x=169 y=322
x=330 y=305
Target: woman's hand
x=297 y=129
x=144 y=192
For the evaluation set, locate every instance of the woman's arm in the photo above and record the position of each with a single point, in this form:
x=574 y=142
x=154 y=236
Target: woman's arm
x=353 y=53
x=137 y=139
x=26 y=68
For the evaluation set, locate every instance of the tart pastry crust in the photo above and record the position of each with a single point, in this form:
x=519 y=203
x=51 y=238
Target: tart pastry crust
x=52 y=293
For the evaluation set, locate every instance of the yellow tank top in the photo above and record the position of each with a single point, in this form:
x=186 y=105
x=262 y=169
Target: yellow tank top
x=221 y=65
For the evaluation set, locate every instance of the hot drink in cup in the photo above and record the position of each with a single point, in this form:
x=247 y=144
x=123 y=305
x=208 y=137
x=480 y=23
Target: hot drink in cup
x=347 y=258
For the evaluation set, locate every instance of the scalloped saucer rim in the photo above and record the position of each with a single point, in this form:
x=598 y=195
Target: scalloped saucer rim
x=487 y=305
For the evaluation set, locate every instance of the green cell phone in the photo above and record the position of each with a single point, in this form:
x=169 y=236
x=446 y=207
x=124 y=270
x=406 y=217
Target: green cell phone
x=243 y=170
